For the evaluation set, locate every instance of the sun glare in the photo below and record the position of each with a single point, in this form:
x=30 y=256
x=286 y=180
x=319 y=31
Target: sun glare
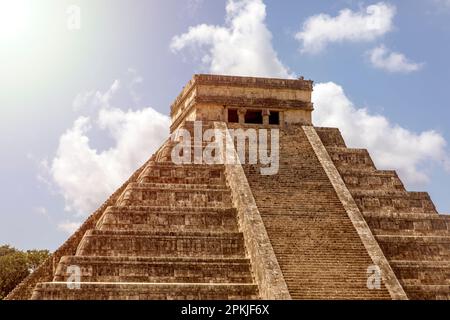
x=13 y=18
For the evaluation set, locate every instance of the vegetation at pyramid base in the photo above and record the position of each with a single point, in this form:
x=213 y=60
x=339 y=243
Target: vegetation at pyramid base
x=15 y=265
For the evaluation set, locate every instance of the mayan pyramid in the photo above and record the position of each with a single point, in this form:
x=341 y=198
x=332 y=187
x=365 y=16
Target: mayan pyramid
x=313 y=230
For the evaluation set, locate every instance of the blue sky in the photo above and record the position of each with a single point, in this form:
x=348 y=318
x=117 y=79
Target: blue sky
x=81 y=108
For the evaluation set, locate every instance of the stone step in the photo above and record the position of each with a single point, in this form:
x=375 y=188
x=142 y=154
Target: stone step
x=413 y=273
x=160 y=270
x=393 y=201
x=409 y=224
x=175 y=195
x=359 y=171
x=331 y=137
x=161 y=244
x=177 y=186
x=168 y=172
x=428 y=292
x=194 y=147
x=372 y=180
x=421 y=248
x=290 y=175
x=167 y=219
x=355 y=158
x=170 y=165
x=405 y=215
x=199 y=155
x=145 y=291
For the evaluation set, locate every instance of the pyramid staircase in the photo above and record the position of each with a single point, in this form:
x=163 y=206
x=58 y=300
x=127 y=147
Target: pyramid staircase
x=413 y=236
x=171 y=234
x=319 y=251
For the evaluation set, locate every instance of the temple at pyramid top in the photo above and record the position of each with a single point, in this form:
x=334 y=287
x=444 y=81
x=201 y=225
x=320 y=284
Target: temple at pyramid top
x=243 y=100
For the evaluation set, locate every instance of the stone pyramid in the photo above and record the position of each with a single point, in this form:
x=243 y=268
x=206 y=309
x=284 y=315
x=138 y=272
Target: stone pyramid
x=314 y=230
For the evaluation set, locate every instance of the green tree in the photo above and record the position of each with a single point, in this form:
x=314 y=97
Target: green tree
x=15 y=265
x=36 y=257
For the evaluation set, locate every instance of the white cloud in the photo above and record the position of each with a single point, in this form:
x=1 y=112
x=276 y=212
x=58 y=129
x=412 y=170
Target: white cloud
x=82 y=99
x=86 y=176
x=96 y=98
x=365 y=25
x=69 y=227
x=390 y=145
x=241 y=47
x=383 y=58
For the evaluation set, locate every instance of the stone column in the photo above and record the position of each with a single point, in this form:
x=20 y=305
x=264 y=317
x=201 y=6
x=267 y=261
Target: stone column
x=241 y=115
x=265 y=115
